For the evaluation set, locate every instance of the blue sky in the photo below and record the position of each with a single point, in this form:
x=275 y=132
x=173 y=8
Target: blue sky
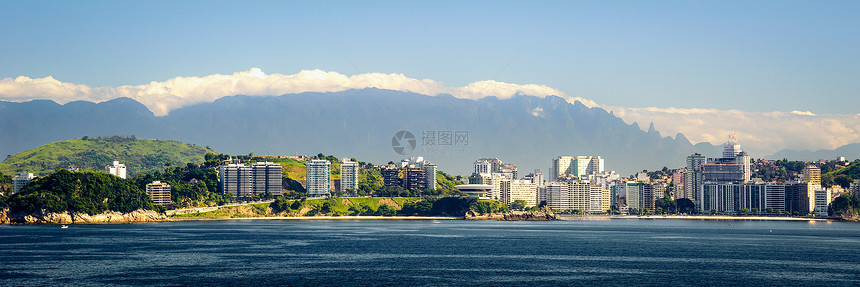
x=748 y=55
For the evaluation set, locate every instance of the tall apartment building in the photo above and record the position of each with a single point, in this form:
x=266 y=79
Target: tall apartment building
x=318 y=176
x=20 y=181
x=236 y=180
x=116 y=169
x=578 y=166
x=267 y=177
x=822 y=201
x=854 y=189
x=159 y=192
x=348 y=175
x=414 y=178
x=521 y=190
x=570 y=195
x=693 y=177
x=812 y=174
x=487 y=165
x=391 y=176
x=732 y=197
x=428 y=167
x=430 y=173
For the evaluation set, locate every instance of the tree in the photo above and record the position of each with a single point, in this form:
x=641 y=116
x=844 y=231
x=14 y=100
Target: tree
x=686 y=205
x=386 y=210
x=518 y=204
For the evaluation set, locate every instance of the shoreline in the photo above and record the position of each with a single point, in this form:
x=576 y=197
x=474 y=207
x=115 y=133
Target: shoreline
x=350 y=217
x=694 y=217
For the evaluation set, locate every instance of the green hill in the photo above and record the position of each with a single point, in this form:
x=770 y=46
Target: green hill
x=842 y=176
x=138 y=155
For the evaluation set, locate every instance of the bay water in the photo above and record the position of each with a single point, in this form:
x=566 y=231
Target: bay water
x=614 y=252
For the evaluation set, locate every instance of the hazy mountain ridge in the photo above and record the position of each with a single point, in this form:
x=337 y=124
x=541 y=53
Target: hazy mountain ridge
x=524 y=130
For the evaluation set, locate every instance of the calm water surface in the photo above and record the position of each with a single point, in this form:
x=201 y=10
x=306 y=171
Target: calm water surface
x=433 y=253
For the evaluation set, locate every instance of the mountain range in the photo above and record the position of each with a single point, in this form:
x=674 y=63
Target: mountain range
x=524 y=130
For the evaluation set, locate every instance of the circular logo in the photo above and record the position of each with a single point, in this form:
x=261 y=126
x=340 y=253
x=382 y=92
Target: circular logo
x=403 y=142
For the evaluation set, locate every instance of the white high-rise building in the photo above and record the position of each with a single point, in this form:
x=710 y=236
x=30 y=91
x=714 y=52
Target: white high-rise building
x=822 y=201
x=348 y=175
x=318 y=175
x=19 y=181
x=116 y=169
x=579 y=166
x=521 y=190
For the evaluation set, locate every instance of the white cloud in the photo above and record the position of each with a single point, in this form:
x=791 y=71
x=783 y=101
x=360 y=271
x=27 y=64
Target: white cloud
x=162 y=97
x=537 y=112
x=761 y=133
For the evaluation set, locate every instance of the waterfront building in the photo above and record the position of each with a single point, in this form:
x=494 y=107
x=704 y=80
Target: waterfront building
x=693 y=177
x=20 y=181
x=430 y=174
x=318 y=177
x=266 y=177
x=348 y=175
x=116 y=169
x=732 y=197
x=391 y=176
x=428 y=167
x=822 y=201
x=159 y=192
x=235 y=180
x=414 y=178
x=569 y=195
x=521 y=190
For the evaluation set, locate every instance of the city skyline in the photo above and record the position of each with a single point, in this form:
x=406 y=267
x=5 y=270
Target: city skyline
x=778 y=74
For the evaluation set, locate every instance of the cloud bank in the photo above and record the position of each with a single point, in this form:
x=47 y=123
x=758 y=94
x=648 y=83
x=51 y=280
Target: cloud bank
x=162 y=97
x=760 y=133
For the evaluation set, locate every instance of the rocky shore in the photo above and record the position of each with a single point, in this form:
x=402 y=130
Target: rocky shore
x=545 y=215
x=45 y=217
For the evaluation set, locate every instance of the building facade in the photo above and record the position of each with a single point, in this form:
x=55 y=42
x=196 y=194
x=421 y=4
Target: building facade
x=318 y=176
x=159 y=192
x=116 y=169
x=266 y=177
x=348 y=175
x=20 y=181
x=235 y=180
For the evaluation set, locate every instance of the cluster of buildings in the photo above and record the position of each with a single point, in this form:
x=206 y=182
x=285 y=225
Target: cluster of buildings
x=725 y=185
x=722 y=184
x=243 y=181
x=413 y=173
x=318 y=180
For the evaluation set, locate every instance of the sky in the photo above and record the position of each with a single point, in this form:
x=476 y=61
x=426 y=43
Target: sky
x=780 y=74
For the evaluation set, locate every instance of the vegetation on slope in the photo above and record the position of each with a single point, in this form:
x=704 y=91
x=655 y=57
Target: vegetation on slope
x=842 y=176
x=384 y=206
x=139 y=155
x=90 y=192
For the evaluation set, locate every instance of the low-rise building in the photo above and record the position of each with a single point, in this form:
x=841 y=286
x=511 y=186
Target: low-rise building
x=159 y=192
